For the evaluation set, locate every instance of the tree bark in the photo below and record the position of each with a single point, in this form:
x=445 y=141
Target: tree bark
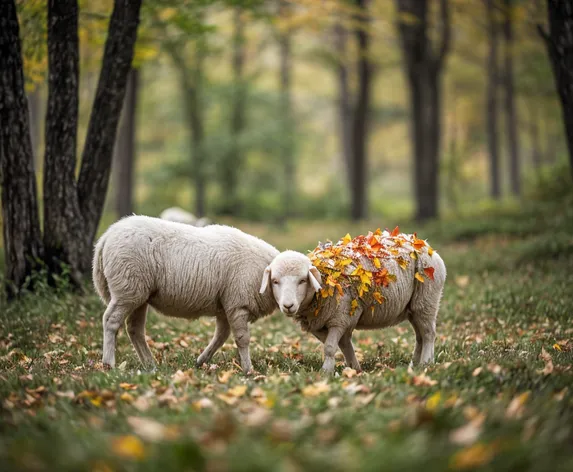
x=98 y=150
x=559 y=44
x=491 y=102
x=359 y=203
x=125 y=151
x=21 y=227
x=511 y=116
x=424 y=66
x=287 y=152
x=233 y=160
x=345 y=105
x=35 y=109
x=63 y=221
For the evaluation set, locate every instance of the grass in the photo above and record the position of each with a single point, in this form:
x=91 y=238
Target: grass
x=489 y=402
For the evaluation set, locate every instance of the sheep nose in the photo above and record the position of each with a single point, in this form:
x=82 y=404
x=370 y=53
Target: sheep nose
x=288 y=307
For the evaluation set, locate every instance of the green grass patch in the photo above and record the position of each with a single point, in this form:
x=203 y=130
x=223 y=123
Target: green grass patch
x=492 y=400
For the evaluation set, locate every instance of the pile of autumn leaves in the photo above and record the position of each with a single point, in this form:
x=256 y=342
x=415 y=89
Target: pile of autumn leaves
x=360 y=264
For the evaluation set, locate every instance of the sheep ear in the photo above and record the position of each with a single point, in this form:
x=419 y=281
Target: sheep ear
x=265 y=281
x=315 y=278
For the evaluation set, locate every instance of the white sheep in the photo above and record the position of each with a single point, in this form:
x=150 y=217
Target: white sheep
x=406 y=289
x=179 y=215
x=181 y=271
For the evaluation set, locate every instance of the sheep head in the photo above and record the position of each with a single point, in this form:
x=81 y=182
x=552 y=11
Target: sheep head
x=293 y=279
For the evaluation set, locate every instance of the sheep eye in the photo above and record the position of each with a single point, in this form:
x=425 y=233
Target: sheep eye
x=275 y=281
x=303 y=281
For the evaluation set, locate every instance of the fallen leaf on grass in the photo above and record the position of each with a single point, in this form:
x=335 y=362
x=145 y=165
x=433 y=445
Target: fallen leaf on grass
x=422 y=379
x=256 y=417
x=151 y=430
x=202 y=404
x=516 y=406
x=181 y=377
x=237 y=391
x=472 y=456
x=548 y=362
x=477 y=371
x=127 y=386
x=468 y=433
x=557 y=347
x=315 y=389
x=348 y=372
x=433 y=402
x=128 y=447
x=225 y=376
x=462 y=281
x=122 y=366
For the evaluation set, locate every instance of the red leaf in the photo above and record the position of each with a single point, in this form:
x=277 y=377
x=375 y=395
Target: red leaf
x=429 y=271
x=396 y=232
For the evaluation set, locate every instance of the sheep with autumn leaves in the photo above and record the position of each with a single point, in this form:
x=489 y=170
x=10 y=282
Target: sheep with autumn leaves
x=181 y=271
x=368 y=282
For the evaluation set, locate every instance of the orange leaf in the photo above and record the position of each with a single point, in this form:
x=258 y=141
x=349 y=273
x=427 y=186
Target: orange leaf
x=419 y=244
x=395 y=232
x=419 y=277
x=429 y=271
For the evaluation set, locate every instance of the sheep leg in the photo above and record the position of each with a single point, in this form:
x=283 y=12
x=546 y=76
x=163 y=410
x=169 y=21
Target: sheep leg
x=419 y=343
x=222 y=331
x=240 y=328
x=135 y=325
x=425 y=326
x=113 y=318
x=330 y=346
x=345 y=345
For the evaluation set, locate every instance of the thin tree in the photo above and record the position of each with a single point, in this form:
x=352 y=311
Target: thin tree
x=234 y=157
x=21 y=227
x=125 y=148
x=492 y=70
x=360 y=122
x=424 y=65
x=559 y=42
x=510 y=108
x=287 y=148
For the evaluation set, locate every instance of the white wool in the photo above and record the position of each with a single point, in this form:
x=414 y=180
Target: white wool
x=178 y=215
x=181 y=271
x=405 y=299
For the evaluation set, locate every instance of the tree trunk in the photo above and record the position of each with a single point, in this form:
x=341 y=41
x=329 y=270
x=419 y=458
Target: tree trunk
x=35 y=109
x=345 y=106
x=125 y=149
x=559 y=44
x=534 y=129
x=359 y=204
x=423 y=70
x=233 y=160
x=98 y=150
x=511 y=117
x=287 y=151
x=63 y=221
x=21 y=227
x=491 y=102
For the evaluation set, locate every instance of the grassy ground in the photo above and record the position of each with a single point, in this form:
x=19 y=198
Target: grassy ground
x=498 y=397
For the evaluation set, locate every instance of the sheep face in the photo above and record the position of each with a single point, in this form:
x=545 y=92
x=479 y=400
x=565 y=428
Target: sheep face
x=293 y=279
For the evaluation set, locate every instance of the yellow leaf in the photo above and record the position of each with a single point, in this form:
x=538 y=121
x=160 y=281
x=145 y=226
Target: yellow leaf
x=129 y=447
x=315 y=389
x=472 y=457
x=430 y=251
x=557 y=347
x=237 y=391
x=345 y=262
x=413 y=255
x=378 y=297
x=419 y=277
x=433 y=402
x=126 y=397
x=225 y=376
x=97 y=401
x=516 y=406
x=346 y=239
